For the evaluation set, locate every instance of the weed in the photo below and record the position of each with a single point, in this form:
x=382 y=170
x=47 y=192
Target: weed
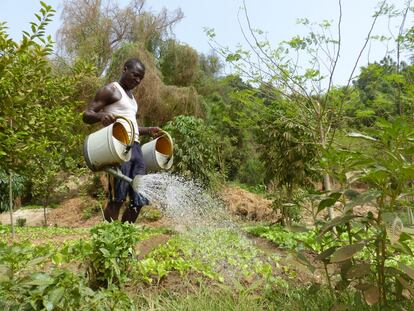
x=21 y=222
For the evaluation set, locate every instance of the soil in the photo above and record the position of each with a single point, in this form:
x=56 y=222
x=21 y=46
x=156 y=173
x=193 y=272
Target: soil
x=71 y=213
x=248 y=205
x=84 y=211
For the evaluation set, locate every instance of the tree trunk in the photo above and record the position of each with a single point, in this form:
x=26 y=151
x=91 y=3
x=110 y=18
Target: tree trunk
x=44 y=216
x=11 y=203
x=326 y=178
x=327 y=186
x=45 y=212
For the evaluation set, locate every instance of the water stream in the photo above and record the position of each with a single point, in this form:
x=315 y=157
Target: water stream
x=184 y=201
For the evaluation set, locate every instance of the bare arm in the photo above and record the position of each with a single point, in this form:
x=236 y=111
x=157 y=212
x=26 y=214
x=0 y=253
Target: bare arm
x=153 y=131
x=104 y=96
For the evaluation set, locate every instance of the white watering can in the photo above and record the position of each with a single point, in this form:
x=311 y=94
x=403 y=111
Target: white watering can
x=109 y=147
x=158 y=153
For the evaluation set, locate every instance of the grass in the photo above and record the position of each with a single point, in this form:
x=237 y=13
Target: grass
x=203 y=298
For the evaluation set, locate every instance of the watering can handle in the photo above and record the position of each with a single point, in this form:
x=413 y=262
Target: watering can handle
x=131 y=142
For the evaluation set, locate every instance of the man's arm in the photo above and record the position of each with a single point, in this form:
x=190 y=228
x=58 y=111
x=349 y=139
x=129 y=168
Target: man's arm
x=153 y=131
x=107 y=95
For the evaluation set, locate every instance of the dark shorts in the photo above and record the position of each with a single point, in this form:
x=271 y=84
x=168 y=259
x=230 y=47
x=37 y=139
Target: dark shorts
x=119 y=189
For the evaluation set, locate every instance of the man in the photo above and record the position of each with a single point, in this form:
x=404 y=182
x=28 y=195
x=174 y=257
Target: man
x=116 y=99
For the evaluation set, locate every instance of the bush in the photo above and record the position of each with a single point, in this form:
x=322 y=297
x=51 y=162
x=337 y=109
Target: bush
x=197 y=150
x=112 y=253
x=21 y=222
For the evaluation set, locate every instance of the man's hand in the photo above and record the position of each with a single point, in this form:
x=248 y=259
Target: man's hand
x=154 y=131
x=107 y=119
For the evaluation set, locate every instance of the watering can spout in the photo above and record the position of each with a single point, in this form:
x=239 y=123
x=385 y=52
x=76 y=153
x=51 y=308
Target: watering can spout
x=134 y=182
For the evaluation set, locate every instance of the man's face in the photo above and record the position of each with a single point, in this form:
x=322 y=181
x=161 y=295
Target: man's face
x=133 y=76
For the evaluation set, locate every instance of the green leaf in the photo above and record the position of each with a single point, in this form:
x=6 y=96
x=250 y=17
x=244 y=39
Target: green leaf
x=37 y=260
x=57 y=258
x=326 y=253
x=358 y=271
x=55 y=296
x=402 y=247
x=359 y=135
x=407 y=270
x=346 y=252
x=233 y=57
x=406 y=285
x=371 y=295
x=302 y=259
x=329 y=201
x=40 y=279
x=335 y=222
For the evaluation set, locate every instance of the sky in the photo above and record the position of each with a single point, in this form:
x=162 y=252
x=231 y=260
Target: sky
x=276 y=17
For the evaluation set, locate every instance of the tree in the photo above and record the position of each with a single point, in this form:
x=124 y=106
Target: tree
x=385 y=90
x=178 y=63
x=38 y=120
x=99 y=28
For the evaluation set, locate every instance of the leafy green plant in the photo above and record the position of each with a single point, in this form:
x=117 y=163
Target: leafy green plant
x=197 y=152
x=25 y=286
x=279 y=235
x=112 y=253
x=21 y=222
x=91 y=210
x=368 y=256
x=149 y=213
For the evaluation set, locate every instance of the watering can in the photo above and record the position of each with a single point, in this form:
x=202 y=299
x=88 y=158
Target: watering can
x=158 y=153
x=110 y=146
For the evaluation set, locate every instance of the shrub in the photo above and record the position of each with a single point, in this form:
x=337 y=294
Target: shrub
x=112 y=253
x=197 y=149
x=21 y=222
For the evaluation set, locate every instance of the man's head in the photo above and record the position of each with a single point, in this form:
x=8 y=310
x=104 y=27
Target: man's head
x=133 y=73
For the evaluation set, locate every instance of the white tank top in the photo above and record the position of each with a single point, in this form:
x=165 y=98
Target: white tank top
x=126 y=107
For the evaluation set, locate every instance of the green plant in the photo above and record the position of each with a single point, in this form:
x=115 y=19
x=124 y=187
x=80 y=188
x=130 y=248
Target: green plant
x=289 y=238
x=21 y=222
x=23 y=286
x=197 y=149
x=112 y=253
x=150 y=213
x=91 y=210
x=368 y=257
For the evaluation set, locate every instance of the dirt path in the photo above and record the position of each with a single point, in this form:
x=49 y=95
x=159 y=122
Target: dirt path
x=34 y=217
